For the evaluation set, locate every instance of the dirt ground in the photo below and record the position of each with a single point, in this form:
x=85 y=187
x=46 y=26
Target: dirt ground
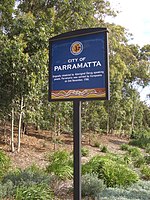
x=37 y=145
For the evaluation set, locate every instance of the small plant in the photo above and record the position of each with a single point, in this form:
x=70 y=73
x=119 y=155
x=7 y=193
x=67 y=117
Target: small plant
x=125 y=147
x=91 y=185
x=27 y=177
x=148 y=148
x=6 y=190
x=84 y=151
x=60 y=164
x=139 y=162
x=104 y=149
x=145 y=170
x=127 y=159
x=26 y=184
x=113 y=173
x=139 y=190
x=134 y=152
x=140 y=142
x=147 y=159
x=40 y=192
x=96 y=144
x=4 y=164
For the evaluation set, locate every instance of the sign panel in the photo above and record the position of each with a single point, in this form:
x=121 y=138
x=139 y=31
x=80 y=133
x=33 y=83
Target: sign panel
x=79 y=65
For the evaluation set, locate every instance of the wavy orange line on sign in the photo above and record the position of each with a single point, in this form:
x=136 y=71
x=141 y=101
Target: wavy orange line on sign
x=80 y=93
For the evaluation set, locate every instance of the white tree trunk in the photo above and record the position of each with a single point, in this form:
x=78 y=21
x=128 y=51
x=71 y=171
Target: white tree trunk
x=12 y=131
x=19 y=126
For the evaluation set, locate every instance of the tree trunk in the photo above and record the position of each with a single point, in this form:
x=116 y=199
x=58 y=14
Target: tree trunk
x=12 y=131
x=4 y=130
x=108 y=122
x=133 y=117
x=59 y=127
x=19 y=126
x=59 y=120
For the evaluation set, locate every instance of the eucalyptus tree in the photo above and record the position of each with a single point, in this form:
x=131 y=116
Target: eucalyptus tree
x=56 y=17
x=127 y=68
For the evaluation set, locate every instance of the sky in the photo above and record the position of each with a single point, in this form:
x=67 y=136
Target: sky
x=135 y=17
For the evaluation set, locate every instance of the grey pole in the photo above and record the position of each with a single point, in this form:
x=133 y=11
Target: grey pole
x=77 y=148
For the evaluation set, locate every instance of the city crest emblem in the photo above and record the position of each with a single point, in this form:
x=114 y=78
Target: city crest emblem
x=76 y=48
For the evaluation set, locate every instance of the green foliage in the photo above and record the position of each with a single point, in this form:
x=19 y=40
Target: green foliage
x=40 y=192
x=140 y=190
x=139 y=161
x=141 y=142
x=125 y=147
x=84 y=151
x=6 y=190
x=104 y=149
x=145 y=170
x=134 y=152
x=141 y=139
x=91 y=185
x=97 y=144
x=27 y=177
x=4 y=164
x=31 y=183
x=112 y=172
x=147 y=159
x=60 y=164
x=148 y=148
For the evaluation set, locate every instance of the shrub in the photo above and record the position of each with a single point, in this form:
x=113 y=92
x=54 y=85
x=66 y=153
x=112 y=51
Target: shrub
x=60 y=164
x=139 y=161
x=141 y=139
x=6 y=190
x=91 y=185
x=125 y=147
x=113 y=173
x=96 y=144
x=145 y=170
x=127 y=159
x=148 y=148
x=139 y=191
x=4 y=164
x=27 y=177
x=40 y=192
x=147 y=159
x=134 y=152
x=20 y=183
x=84 y=152
x=104 y=149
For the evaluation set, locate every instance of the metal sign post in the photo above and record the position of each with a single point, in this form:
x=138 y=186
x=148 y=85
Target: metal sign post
x=77 y=148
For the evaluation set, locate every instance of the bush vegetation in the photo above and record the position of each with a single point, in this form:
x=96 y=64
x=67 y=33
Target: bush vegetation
x=104 y=149
x=31 y=183
x=113 y=173
x=39 y=192
x=4 y=164
x=145 y=170
x=138 y=191
x=91 y=185
x=141 y=139
x=61 y=165
x=84 y=151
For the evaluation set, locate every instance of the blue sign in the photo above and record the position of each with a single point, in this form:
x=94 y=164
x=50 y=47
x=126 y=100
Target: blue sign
x=78 y=66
